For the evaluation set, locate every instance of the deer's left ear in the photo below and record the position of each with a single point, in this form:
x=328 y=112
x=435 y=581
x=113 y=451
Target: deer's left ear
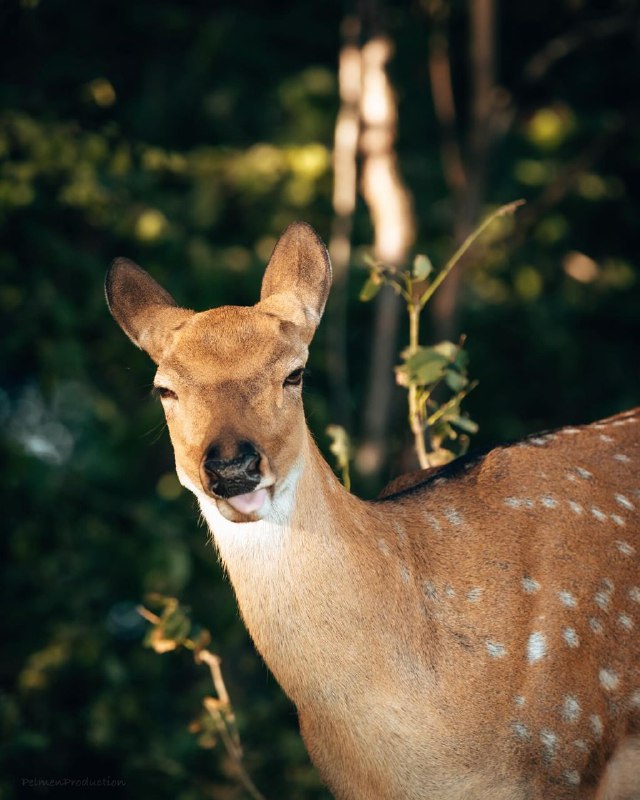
x=144 y=310
x=297 y=279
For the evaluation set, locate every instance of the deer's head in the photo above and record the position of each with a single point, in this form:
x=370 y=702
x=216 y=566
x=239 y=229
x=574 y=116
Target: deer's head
x=230 y=378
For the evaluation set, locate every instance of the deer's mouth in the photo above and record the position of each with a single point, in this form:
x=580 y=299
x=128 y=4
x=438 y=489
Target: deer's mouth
x=249 y=502
x=246 y=506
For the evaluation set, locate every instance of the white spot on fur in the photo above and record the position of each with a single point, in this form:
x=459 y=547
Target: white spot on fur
x=518 y=700
x=623 y=501
x=625 y=548
x=607 y=438
x=449 y=591
x=622 y=458
x=602 y=600
x=571 y=477
x=548 y=501
x=430 y=591
x=609 y=679
x=473 y=595
x=400 y=532
x=596 y=725
x=572 y=777
x=383 y=547
x=495 y=649
x=549 y=741
x=567 y=599
x=634 y=700
x=404 y=574
x=520 y=730
x=598 y=514
x=434 y=522
x=595 y=625
x=536 y=646
x=453 y=516
x=571 y=637
x=518 y=502
x=530 y=585
x=540 y=441
x=580 y=744
x=634 y=594
x=584 y=473
x=571 y=709
x=570 y=431
x=575 y=507
x=626 y=621
x=618 y=520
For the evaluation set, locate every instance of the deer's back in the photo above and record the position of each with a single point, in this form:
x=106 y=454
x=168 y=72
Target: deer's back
x=525 y=564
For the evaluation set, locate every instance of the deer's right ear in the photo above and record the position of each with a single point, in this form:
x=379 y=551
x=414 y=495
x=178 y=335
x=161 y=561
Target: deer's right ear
x=142 y=308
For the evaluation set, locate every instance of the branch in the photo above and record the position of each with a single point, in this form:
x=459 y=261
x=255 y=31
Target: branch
x=562 y=46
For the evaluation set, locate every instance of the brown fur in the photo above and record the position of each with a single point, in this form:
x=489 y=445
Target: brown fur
x=472 y=634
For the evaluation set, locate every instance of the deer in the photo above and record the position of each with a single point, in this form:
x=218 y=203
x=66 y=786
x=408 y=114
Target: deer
x=470 y=634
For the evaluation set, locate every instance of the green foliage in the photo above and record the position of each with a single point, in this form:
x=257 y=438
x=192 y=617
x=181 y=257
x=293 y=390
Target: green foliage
x=426 y=371
x=186 y=136
x=340 y=448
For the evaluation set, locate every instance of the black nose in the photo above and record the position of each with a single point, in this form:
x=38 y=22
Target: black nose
x=228 y=477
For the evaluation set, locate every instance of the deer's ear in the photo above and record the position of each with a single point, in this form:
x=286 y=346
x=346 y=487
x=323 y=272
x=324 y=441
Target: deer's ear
x=142 y=308
x=297 y=279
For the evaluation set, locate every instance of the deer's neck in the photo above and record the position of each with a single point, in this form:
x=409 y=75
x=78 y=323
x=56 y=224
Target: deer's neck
x=313 y=581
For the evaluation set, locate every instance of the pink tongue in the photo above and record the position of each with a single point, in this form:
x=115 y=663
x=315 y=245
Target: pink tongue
x=248 y=503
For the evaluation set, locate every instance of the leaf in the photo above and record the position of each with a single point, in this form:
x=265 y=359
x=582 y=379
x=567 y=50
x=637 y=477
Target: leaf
x=448 y=349
x=461 y=361
x=176 y=625
x=455 y=381
x=340 y=444
x=465 y=424
x=422 y=267
x=425 y=366
x=371 y=288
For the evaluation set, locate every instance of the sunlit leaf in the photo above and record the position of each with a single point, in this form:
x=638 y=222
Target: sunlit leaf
x=455 y=381
x=422 y=267
x=371 y=288
x=465 y=424
x=448 y=349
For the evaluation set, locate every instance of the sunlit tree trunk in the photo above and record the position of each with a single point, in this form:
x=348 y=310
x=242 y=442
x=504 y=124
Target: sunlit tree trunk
x=390 y=207
x=345 y=184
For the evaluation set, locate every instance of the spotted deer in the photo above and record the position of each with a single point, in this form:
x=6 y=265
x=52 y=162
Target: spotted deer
x=473 y=633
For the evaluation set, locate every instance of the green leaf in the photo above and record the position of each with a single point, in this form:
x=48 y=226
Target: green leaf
x=370 y=288
x=461 y=361
x=465 y=424
x=176 y=625
x=425 y=366
x=455 y=381
x=422 y=267
x=448 y=349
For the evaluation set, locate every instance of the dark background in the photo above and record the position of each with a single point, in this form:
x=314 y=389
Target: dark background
x=187 y=135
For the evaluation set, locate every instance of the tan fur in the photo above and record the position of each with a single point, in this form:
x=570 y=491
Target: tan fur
x=472 y=634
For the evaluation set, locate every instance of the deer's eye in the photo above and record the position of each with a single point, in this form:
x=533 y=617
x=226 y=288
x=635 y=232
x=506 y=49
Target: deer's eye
x=295 y=377
x=164 y=394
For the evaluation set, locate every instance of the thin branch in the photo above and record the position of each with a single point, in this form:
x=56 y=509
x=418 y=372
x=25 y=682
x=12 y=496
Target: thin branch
x=541 y=62
x=508 y=208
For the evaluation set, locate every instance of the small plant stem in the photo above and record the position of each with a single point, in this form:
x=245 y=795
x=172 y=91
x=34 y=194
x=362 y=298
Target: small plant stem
x=415 y=417
x=219 y=708
x=508 y=208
